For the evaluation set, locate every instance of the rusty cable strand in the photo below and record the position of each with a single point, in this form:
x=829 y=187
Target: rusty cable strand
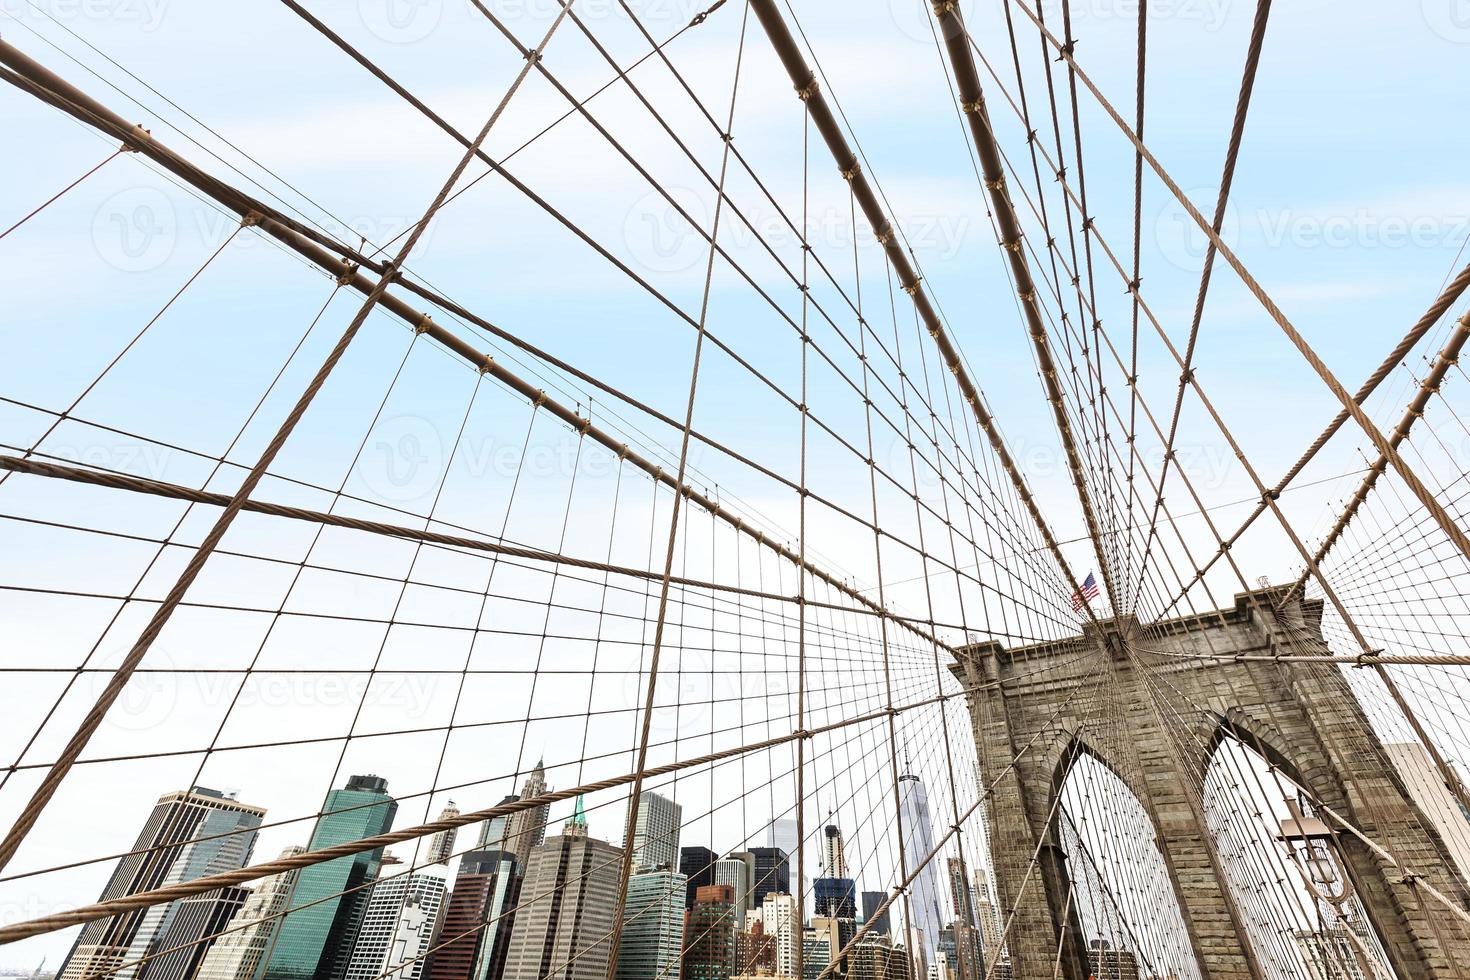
x=1140 y=78
x=1447 y=297
x=1222 y=199
x=197 y=886
x=1406 y=473
x=124 y=481
x=810 y=93
x=65 y=414
x=1050 y=668
x=1448 y=356
x=93 y=720
x=973 y=101
x=661 y=621
x=90 y=112
x=219 y=464
x=1449 y=776
x=233 y=926
x=1267 y=498
x=286 y=234
x=418 y=104
x=57 y=196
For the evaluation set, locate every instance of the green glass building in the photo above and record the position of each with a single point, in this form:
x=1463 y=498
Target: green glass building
x=315 y=940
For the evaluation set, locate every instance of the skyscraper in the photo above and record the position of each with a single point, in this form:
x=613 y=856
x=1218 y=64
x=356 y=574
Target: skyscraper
x=738 y=871
x=871 y=901
x=653 y=926
x=836 y=898
x=237 y=954
x=315 y=939
x=473 y=941
x=697 y=865
x=526 y=829
x=567 y=908
x=961 y=891
x=755 y=952
x=656 y=833
x=709 y=942
x=782 y=833
x=398 y=925
x=181 y=945
x=1427 y=788
x=772 y=874
x=918 y=842
x=190 y=833
x=778 y=918
x=492 y=831
x=441 y=845
x=834 y=861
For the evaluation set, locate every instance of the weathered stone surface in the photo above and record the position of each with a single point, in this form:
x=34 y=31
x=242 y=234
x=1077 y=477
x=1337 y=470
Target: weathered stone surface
x=1157 y=727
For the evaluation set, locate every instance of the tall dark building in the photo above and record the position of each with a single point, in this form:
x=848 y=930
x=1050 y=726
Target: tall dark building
x=772 y=874
x=871 y=901
x=181 y=946
x=836 y=898
x=316 y=939
x=477 y=922
x=698 y=865
x=709 y=938
x=189 y=834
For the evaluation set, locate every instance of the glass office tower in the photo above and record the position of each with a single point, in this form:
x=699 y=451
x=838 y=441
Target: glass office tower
x=315 y=939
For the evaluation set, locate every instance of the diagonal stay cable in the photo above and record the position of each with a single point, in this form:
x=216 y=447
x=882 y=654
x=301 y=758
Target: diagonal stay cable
x=46 y=86
x=1227 y=178
x=1447 y=524
x=661 y=622
x=810 y=93
x=93 y=720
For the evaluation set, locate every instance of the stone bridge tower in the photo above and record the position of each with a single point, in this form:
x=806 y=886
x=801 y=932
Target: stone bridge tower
x=1303 y=718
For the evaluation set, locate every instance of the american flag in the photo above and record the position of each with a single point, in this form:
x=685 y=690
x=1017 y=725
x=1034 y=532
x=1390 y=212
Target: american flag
x=1086 y=594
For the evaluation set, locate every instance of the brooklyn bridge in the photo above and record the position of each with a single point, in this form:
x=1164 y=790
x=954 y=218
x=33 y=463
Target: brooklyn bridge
x=686 y=490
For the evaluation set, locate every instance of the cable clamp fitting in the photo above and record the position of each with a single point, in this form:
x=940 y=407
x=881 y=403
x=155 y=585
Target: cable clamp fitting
x=533 y=56
x=942 y=7
x=885 y=237
x=348 y=273
x=424 y=323
x=1361 y=660
x=142 y=136
x=852 y=171
x=251 y=219
x=998 y=184
x=488 y=364
x=805 y=92
x=913 y=287
x=703 y=15
x=540 y=397
x=1011 y=245
x=973 y=106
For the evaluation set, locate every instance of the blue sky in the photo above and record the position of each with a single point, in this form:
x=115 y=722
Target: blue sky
x=1350 y=205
